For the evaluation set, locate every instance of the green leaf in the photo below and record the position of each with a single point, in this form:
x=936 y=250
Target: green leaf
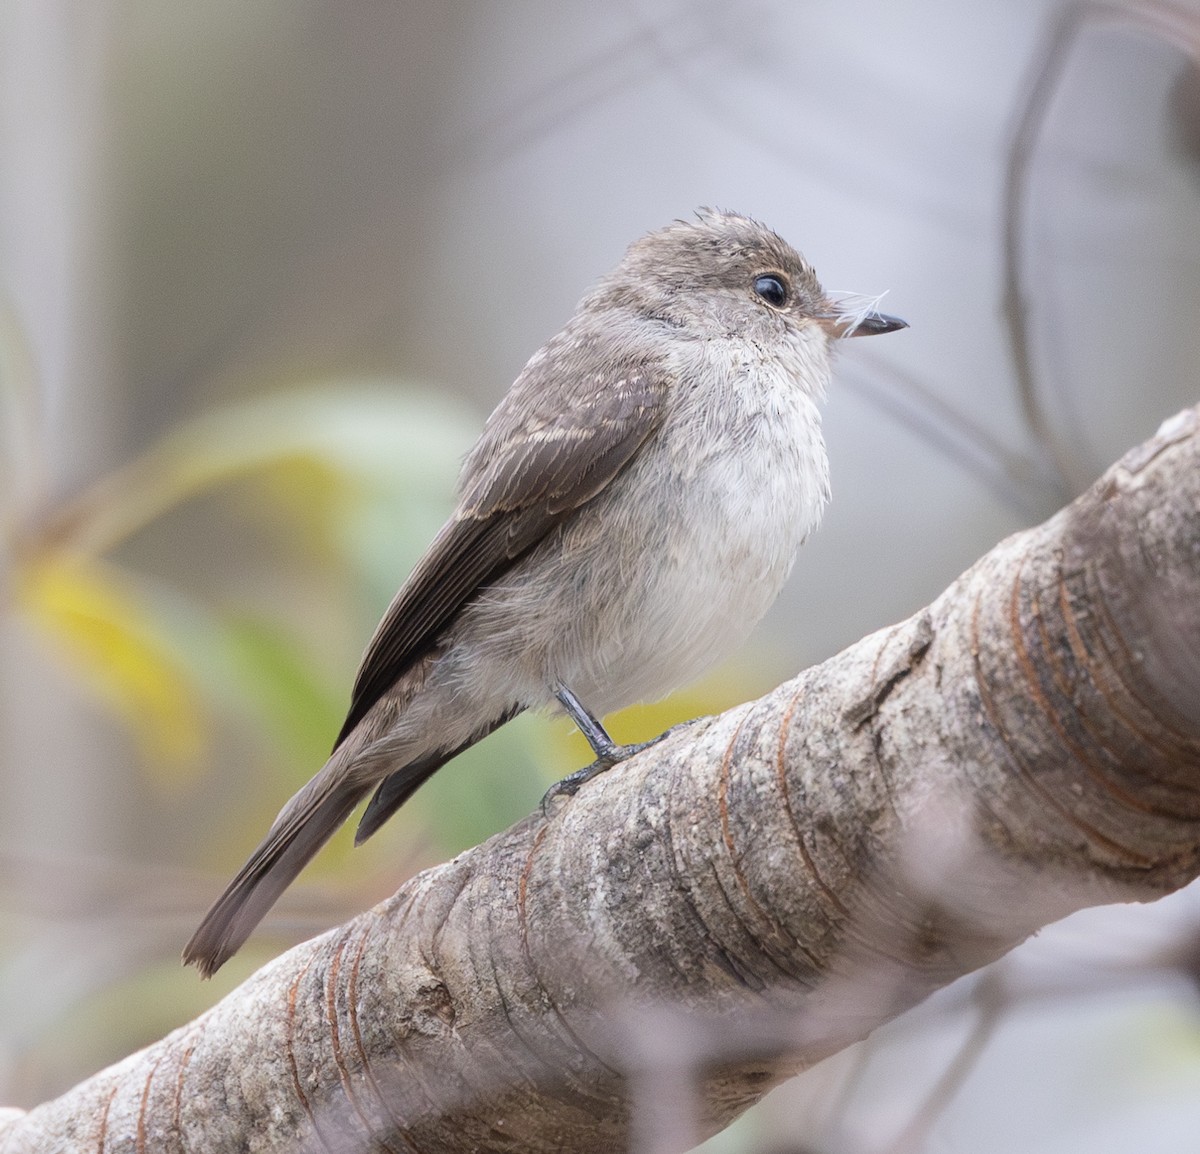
x=387 y=444
x=277 y=679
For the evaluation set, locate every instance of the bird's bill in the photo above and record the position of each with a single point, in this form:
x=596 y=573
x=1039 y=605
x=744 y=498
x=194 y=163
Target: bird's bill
x=849 y=324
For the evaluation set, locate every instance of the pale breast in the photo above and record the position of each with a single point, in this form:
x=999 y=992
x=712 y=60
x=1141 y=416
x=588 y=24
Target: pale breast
x=669 y=569
x=724 y=500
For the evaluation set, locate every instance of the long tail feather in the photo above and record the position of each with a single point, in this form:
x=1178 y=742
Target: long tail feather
x=304 y=825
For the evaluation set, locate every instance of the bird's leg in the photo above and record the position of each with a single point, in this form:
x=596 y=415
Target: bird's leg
x=608 y=752
x=603 y=746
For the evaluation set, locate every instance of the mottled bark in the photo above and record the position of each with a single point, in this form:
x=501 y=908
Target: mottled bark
x=757 y=892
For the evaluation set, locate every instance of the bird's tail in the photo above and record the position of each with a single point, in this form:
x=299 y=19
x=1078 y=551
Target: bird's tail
x=304 y=825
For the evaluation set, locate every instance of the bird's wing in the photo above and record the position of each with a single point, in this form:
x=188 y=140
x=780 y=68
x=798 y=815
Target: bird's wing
x=541 y=456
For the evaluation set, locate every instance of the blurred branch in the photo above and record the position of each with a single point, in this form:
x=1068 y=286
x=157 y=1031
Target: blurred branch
x=1169 y=22
x=750 y=896
x=23 y=454
x=990 y=1005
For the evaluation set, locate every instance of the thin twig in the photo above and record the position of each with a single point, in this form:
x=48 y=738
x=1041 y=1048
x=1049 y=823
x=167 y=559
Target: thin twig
x=991 y=1000
x=1166 y=21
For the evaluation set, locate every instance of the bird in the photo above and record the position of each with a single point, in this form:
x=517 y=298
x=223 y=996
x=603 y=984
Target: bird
x=631 y=509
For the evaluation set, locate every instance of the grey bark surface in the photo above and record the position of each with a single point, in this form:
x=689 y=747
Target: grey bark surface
x=756 y=893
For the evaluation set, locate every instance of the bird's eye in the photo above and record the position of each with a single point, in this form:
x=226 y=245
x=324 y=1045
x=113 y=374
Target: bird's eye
x=772 y=289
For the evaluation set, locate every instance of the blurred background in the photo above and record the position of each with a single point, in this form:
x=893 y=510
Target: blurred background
x=265 y=268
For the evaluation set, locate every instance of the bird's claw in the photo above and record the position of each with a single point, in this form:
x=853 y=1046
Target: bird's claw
x=613 y=755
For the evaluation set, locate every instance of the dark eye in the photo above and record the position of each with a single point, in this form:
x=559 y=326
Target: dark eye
x=773 y=289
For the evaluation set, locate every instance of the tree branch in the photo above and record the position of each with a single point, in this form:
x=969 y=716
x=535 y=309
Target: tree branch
x=751 y=895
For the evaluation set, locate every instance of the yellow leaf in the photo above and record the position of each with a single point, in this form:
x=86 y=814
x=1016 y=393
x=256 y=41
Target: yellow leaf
x=103 y=627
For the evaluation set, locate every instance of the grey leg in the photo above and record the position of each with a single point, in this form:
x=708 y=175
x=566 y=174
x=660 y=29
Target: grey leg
x=608 y=752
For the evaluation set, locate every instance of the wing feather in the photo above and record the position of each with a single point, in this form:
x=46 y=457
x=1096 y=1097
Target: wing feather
x=541 y=456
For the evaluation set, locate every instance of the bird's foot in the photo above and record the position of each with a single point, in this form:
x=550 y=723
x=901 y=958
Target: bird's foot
x=610 y=755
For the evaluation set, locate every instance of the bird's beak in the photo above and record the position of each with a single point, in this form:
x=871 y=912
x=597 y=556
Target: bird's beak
x=851 y=324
